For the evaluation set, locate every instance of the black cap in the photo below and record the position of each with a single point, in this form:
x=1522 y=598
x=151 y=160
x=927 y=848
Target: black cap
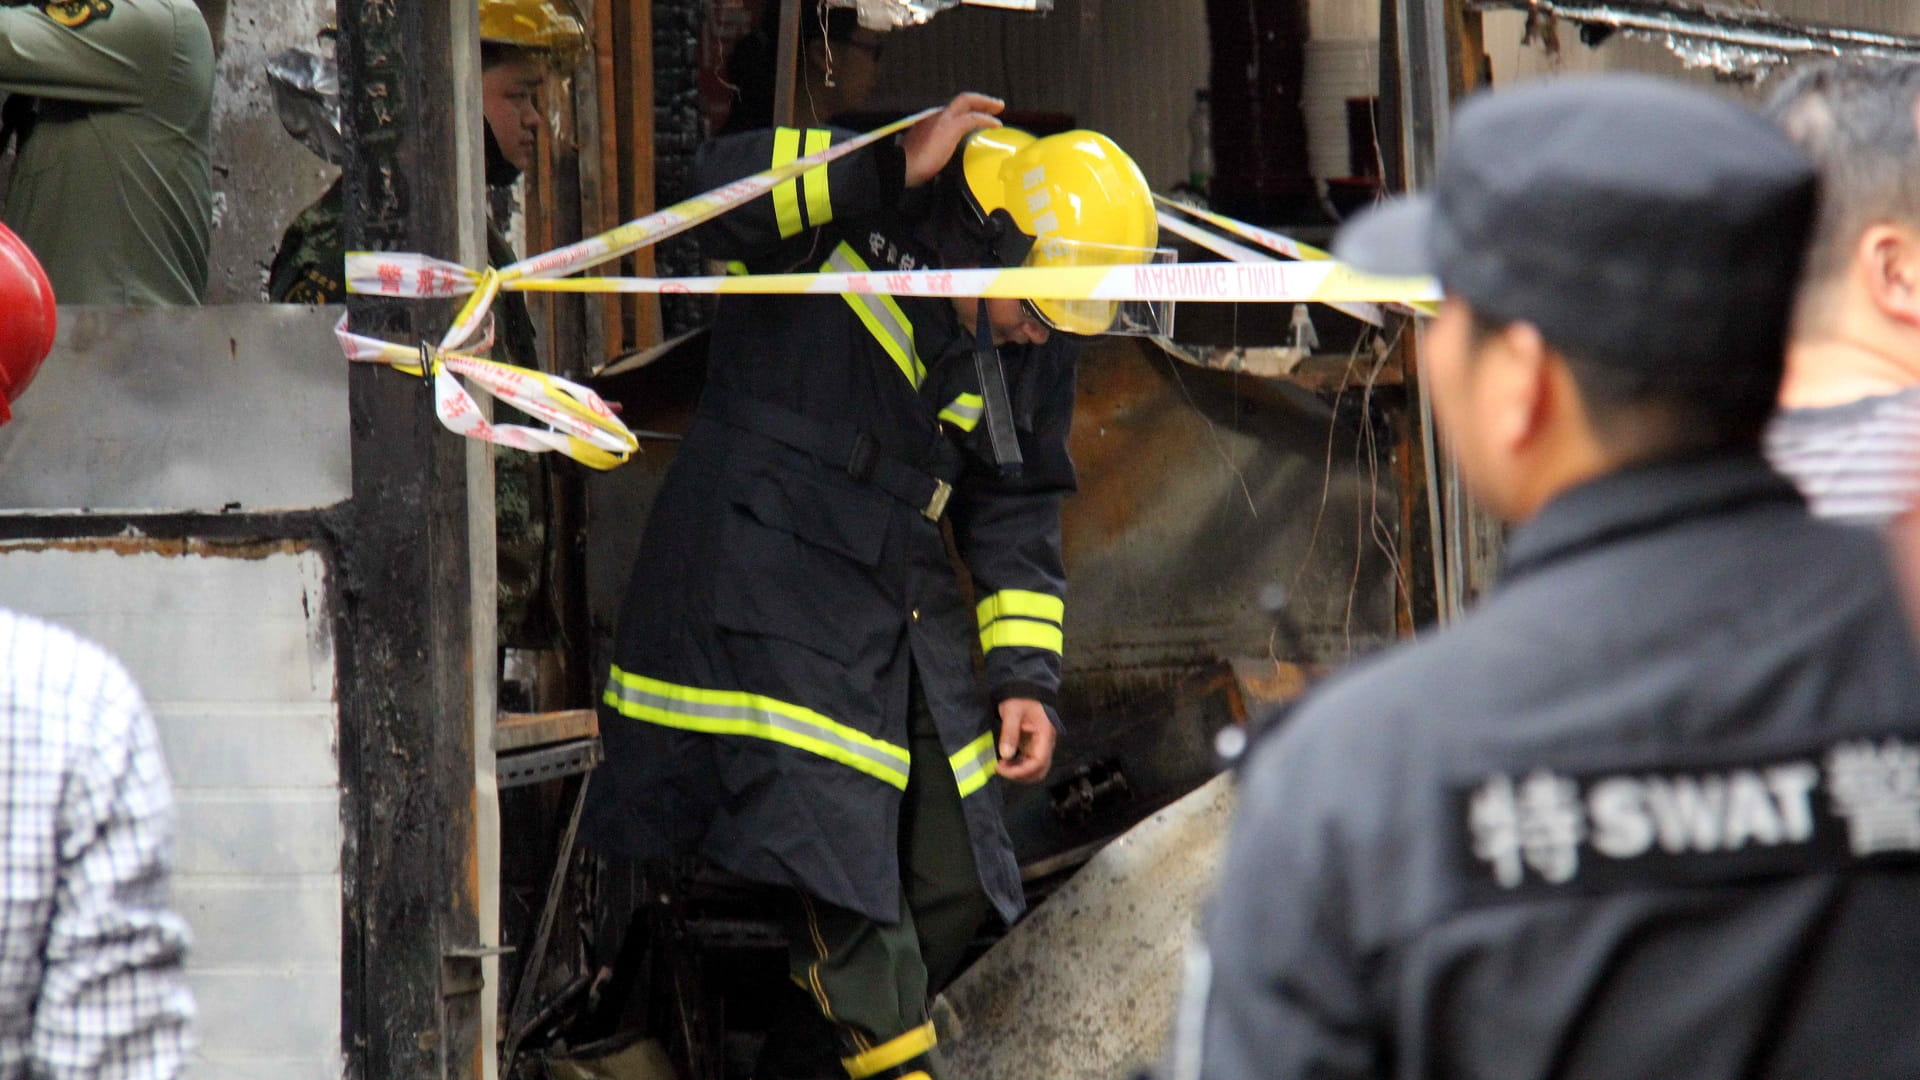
x=1639 y=223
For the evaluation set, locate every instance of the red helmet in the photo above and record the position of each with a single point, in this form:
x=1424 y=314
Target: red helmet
x=27 y=319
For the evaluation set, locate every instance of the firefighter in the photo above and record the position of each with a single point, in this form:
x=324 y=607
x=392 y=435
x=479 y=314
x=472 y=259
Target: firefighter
x=1654 y=808
x=520 y=41
x=793 y=693
x=111 y=104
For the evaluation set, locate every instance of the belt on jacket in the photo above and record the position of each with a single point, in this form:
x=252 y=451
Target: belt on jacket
x=856 y=452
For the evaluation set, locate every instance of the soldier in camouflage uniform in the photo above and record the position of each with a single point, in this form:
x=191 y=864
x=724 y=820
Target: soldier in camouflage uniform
x=520 y=41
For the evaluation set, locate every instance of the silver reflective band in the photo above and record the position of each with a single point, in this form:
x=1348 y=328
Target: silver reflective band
x=881 y=315
x=974 y=765
x=964 y=412
x=728 y=712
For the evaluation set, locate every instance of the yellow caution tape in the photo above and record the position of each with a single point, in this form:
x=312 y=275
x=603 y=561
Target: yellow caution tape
x=1266 y=238
x=421 y=277
x=1279 y=282
x=1284 y=245
x=682 y=216
x=583 y=427
x=580 y=424
x=1220 y=245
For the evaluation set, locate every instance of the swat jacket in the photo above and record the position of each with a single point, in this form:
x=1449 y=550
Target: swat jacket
x=1652 y=811
x=794 y=571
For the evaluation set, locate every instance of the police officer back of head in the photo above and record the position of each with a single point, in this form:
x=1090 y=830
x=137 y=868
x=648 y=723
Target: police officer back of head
x=1654 y=808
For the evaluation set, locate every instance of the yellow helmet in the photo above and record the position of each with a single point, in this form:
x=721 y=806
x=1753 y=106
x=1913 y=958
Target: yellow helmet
x=547 y=25
x=1081 y=200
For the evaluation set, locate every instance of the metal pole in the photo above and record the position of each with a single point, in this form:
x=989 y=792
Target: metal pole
x=786 y=69
x=1425 y=85
x=410 y=682
x=1430 y=75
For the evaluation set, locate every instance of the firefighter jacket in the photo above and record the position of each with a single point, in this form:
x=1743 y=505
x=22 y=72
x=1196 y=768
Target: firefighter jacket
x=794 y=580
x=1652 y=810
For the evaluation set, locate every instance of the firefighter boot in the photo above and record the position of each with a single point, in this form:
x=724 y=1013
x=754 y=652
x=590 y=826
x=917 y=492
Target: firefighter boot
x=908 y=1057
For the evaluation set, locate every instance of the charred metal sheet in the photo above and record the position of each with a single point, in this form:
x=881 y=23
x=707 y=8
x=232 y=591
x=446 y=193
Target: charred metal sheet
x=1733 y=41
x=1201 y=494
x=1085 y=987
x=209 y=410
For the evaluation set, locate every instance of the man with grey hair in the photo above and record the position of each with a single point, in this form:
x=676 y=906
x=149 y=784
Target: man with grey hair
x=1849 y=430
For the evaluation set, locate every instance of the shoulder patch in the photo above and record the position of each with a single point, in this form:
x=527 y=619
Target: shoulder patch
x=315 y=287
x=1540 y=830
x=74 y=14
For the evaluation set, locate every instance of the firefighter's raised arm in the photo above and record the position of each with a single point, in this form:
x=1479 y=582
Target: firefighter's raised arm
x=775 y=232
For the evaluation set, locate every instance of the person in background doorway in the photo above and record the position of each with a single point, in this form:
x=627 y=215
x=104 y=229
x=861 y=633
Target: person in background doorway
x=92 y=959
x=1653 y=809
x=839 y=65
x=521 y=42
x=110 y=106
x=1849 y=430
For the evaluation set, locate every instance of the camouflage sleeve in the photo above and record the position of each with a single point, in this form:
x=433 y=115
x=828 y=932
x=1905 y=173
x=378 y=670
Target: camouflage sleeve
x=310 y=267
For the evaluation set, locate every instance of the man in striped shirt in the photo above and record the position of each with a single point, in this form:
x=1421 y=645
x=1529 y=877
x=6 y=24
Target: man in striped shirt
x=1848 y=433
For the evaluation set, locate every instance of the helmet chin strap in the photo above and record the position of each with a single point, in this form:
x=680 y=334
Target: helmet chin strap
x=998 y=410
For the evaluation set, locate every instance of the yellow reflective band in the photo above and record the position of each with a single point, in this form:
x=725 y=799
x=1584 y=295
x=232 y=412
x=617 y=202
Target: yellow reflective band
x=891 y=1054
x=1024 y=633
x=819 y=205
x=1021 y=604
x=974 y=765
x=786 y=197
x=965 y=411
x=882 y=316
x=734 y=712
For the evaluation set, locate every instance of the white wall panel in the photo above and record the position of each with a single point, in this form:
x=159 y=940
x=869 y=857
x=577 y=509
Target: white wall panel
x=234 y=653
x=1337 y=69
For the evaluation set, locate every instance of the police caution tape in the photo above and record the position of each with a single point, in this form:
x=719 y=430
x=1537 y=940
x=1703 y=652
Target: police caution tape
x=1321 y=282
x=1274 y=242
x=675 y=219
x=1541 y=830
x=580 y=424
x=585 y=429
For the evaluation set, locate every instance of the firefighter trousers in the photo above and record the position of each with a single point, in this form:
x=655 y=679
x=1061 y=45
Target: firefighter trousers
x=872 y=980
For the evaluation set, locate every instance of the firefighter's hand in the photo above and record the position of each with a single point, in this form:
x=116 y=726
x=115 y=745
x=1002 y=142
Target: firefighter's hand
x=930 y=144
x=1026 y=741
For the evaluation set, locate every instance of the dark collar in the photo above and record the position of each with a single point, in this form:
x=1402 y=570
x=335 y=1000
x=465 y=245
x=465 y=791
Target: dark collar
x=1642 y=499
x=938 y=335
